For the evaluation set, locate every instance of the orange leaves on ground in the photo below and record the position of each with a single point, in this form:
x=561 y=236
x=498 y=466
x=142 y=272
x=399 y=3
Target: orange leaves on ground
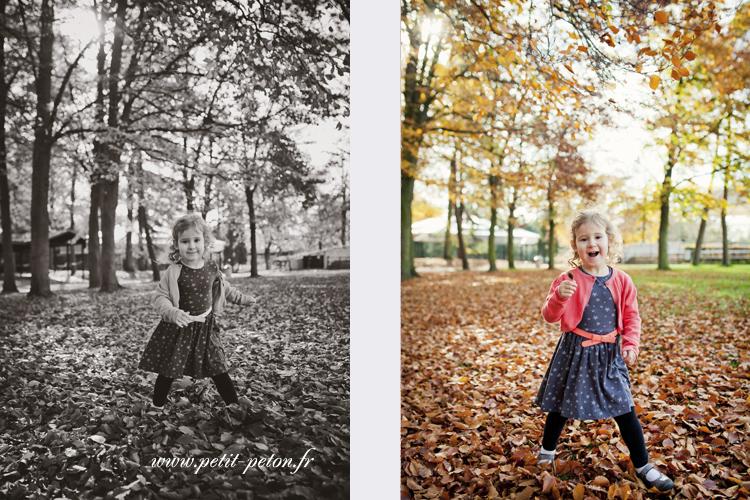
x=474 y=350
x=578 y=492
x=661 y=17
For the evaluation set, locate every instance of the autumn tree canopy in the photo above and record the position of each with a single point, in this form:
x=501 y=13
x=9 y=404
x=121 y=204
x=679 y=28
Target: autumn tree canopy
x=470 y=70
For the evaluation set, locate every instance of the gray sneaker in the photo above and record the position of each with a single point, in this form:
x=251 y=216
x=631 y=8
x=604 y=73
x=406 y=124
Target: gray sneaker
x=661 y=483
x=546 y=458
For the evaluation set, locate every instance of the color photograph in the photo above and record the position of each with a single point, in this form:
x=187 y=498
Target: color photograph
x=574 y=250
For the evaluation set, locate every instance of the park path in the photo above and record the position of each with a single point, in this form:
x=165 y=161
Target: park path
x=77 y=420
x=474 y=350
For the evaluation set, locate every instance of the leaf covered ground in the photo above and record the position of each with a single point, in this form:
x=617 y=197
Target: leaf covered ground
x=77 y=420
x=475 y=348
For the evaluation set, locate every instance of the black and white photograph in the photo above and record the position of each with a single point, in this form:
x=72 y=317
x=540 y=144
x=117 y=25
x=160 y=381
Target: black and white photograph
x=176 y=233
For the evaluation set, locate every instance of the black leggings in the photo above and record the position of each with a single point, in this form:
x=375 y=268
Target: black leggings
x=630 y=430
x=223 y=384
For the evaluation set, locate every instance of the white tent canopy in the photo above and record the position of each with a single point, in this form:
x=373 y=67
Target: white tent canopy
x=434 y=230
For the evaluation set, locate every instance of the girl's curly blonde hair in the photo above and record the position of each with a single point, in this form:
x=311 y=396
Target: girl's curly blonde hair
x=190 y=221
x=594 y=216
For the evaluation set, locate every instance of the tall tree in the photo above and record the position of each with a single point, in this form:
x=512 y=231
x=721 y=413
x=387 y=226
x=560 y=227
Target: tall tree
x=272 y=166
x=460 y=212
x=9 y=266
x=494 y=182
x=44 y=139
x=565 y=175
x=40 y=283
x=110 y=156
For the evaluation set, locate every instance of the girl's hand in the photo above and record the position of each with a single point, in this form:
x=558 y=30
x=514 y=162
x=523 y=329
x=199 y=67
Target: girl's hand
x=182 y=319
x=630 y=357
x=567 y=288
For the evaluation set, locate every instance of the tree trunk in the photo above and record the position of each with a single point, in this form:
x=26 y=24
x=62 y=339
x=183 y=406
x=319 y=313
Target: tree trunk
x=343 y=212
x=110 y=186
x=551 y=247
x=94 y=244
x=144 y=227
x=40 y=283
x=9 y=265
x=540 y=248
x=664 y=233
x=460 y=209
x=229 y=247
x=407 y=243
x=207 y=195
x=725 y=260
x=249 y=193
x=551 y=222
x=415 y=116
x=666 y=191
x=699 y=240
x=511 y=227
x=493 y=223
x=73 y=198
x=459 y=229
x=447 y=250
x=129 y=262
x=95 y=249
x=491 y=240
x=267 y=256
x=188 y=185
x=109 y=258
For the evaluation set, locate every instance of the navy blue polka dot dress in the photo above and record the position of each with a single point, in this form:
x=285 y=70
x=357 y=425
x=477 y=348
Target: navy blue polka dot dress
x=588 y=383
x=195 y=350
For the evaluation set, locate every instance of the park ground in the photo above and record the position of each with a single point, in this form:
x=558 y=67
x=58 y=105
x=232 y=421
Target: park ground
x=475 y=348
x=77 y=420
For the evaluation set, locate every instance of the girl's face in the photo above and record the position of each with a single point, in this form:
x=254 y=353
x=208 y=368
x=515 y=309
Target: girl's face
x=190 y=245
x=592 y=245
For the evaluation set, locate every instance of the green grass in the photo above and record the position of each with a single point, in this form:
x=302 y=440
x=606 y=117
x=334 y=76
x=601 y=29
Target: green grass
x=707 y=281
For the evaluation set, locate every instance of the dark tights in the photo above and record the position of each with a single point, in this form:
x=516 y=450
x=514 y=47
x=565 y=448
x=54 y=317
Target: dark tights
x=630 y=430
x=223 y=384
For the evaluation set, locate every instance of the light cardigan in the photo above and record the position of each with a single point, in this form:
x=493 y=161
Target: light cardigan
x=569 y=311
x=167 y=300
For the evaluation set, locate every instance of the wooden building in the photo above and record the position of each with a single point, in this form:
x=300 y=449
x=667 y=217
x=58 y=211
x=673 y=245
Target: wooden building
x=66 y=251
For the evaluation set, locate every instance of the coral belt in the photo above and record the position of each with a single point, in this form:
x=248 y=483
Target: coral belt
x=594 y=338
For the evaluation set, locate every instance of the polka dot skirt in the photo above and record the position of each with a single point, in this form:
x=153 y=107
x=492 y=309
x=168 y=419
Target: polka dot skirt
x=195 y=350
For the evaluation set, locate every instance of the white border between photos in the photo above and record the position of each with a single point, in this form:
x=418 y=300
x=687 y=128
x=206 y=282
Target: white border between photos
x=375 y=276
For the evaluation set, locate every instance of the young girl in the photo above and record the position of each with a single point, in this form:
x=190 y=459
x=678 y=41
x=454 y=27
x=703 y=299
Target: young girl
x=190 y=293
x=587 y=378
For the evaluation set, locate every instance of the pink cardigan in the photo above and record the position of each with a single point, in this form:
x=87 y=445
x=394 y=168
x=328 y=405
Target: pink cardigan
x=569 y=311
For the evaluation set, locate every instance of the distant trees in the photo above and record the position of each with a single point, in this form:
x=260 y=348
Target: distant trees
x=159 y=102
x=468 y=69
